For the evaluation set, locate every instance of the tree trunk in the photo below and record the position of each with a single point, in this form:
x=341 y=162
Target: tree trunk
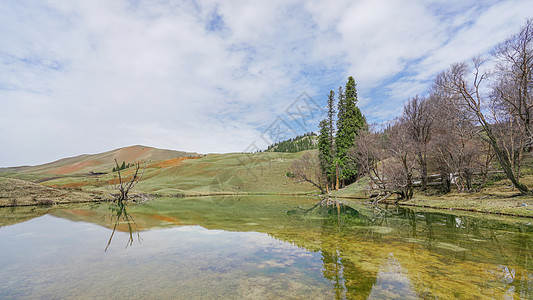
x=506 y=165
x=445 y=183
x=337 y=176
x=423 y=170
x=504 y=160
x=327 y=184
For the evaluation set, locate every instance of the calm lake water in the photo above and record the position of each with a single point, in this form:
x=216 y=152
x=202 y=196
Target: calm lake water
x=264 y=247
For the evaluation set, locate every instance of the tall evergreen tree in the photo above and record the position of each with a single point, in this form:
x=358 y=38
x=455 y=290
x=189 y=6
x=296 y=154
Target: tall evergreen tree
x=341 y=105
x=331 y=114
x=350 y=121
x=331 y=137
x=326 y=142
x=324 y=147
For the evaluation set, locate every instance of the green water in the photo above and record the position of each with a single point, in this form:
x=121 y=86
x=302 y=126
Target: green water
x=264 y=247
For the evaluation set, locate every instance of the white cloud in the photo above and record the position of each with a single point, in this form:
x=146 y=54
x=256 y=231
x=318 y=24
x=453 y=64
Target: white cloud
x=88 y=76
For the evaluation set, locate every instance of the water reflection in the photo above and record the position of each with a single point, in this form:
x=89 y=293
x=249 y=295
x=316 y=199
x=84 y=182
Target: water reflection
x=121 y=219
x=466 y=242
x=356 y=251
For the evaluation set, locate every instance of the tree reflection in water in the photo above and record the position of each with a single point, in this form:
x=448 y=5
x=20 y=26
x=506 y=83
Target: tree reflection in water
x=120 y=216
x=505 y=249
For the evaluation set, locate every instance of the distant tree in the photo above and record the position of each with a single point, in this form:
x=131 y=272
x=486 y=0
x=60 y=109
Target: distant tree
x=296 y=144
x=123 y=166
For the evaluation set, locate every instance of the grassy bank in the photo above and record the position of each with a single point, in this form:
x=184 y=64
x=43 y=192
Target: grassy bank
x=499 y=197
x=16 y=192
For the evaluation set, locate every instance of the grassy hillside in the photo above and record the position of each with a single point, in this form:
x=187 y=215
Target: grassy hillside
x=102 y=162
x=357 y=189
x=213 y=174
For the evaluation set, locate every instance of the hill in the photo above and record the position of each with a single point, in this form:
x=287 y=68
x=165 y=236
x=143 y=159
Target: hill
x=101 y=162
x=255 y=173
x=179 y=175
x=308 y=141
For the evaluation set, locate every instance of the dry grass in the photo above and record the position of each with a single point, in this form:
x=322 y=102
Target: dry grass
x=16 y=192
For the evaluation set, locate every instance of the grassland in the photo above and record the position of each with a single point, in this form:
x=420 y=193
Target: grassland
x=214 y=174
x=241 y=173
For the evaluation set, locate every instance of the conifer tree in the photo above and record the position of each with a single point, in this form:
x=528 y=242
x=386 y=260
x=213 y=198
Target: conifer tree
x=350 y=120
x=341 y=106
x=331 y=136
x=326 y=142
x=324 y=147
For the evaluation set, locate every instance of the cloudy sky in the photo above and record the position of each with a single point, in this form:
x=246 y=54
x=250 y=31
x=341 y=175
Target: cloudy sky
x=83 y=76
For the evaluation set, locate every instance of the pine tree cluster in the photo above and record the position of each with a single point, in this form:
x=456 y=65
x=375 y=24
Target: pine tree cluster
x=300 y=143
x=334 y=143
x=122 y=166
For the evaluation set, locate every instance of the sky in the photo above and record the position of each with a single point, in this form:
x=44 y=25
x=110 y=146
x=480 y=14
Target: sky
x=83 y=76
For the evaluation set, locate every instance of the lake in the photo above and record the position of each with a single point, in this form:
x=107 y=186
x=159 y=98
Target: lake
x=264 y=247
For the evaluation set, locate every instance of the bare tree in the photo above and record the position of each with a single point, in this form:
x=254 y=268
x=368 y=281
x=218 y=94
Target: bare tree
x=515 y=69
x=388 y=158
x=307 y=169
x=399 y=171
x=418 y=119
x=119 y=213
x=468 y=97
x=370 y=157
x=457 y=147
x=124 y=187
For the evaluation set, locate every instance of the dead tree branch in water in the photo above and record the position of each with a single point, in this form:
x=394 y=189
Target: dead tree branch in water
x=125 y=187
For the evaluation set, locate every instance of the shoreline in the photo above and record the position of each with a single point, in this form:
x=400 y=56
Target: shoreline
x=18 y=193
x=492 y=206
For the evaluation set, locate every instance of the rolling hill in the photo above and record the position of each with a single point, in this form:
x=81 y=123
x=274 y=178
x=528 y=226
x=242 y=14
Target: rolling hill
x=166 y=173
x=101 y=162
x=228 y=173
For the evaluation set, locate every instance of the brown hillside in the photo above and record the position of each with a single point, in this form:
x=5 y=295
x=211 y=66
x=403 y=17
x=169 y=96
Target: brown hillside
x=104 y=162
